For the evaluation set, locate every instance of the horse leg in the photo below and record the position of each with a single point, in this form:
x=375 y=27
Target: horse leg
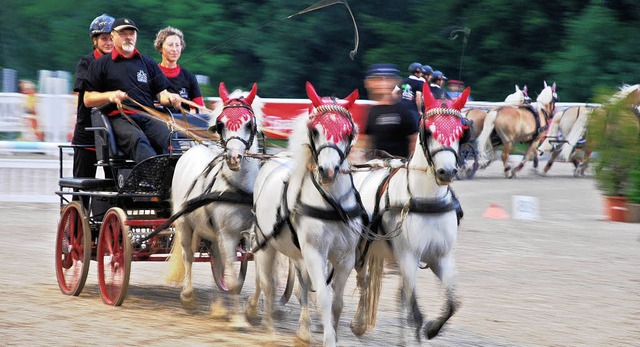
x=304 y=331
x=230 y=241
x=265 y=281
x=187 y=296
x=551 y=160
x=585 y=162
x=408 y=270
x=315 y=264
x=342 y=270
x=506 y=149
x=360 y=322
x=444 y=269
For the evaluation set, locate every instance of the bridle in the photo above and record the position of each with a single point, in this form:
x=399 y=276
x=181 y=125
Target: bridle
x=424 y=137
x=334 y=108
x=235 y=104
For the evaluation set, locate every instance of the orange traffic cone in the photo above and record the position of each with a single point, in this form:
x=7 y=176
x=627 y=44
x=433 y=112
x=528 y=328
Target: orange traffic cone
x=495 y=211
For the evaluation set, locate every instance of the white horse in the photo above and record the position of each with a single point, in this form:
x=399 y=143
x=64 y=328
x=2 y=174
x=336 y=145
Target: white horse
x=306 y=207
x=412 y=212
x=222 y=174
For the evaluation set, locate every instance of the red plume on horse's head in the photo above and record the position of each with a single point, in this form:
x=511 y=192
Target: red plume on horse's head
x=224 y=93
x=316 y=100
x=430 y=102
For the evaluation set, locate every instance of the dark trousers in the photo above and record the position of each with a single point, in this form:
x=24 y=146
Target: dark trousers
x=84 y=165
x=150 y=137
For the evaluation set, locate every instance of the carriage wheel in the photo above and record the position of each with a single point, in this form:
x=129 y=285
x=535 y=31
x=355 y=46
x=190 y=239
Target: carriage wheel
x=286 y=276
x=73 y=249
x=217 y=264
x=114 y=257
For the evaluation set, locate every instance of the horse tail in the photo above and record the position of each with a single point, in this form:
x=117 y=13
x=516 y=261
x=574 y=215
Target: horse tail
x=375 y=266
x=176 y=259
x=487 y=129
x=577 y=130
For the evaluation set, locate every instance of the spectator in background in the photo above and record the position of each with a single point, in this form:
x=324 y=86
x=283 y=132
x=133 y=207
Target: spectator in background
x=454 y=89
x=28 y=88
x=170 y=43
x=436 y=83
x=390 y=126
x=84 y=156
x=426 y=73
x=410 y=90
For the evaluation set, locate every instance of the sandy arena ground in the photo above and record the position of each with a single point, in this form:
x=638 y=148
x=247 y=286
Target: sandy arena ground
x=568 y=278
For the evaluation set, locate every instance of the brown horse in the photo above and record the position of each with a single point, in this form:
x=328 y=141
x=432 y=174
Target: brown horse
x=517 y=125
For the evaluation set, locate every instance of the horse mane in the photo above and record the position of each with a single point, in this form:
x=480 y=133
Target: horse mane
x=625 y=90
x=299 y=143
x=257 y=106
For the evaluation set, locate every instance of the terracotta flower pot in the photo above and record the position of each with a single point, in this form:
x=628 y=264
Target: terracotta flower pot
x=615 y=208
x=633 y=213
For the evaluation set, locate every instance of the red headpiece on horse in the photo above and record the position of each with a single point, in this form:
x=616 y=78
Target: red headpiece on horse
x=236 y=111
x=443 y=117
x=333 y=114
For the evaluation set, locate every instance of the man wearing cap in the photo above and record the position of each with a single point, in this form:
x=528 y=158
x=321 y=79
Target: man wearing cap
x=125 y=76
x=436 y=82
x=410 y=90
x=390 y=125
x=454 y=88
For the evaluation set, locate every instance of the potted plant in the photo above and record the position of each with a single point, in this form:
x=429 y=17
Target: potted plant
x=633 y=205
x=613 y=135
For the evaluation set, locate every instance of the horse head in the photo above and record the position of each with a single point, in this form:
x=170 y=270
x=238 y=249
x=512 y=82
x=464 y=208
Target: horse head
x=331 y=133
x=236 y=123
x=547 y=99
x=442 y=129
x=631 y=94
x=519 y=97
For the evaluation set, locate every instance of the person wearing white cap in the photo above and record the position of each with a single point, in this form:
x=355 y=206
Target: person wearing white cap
x=125 y=76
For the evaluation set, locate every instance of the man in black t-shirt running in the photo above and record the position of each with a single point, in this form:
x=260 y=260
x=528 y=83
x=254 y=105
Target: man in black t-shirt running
x=390 y=126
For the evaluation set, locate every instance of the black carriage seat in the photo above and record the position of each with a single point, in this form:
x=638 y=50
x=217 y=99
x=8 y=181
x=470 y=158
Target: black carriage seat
x=107 y=151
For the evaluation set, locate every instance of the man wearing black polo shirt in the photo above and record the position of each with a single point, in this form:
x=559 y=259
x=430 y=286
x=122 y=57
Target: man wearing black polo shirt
x=126 y=74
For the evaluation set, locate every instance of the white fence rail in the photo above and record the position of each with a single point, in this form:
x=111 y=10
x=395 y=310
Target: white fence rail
x=31 y=180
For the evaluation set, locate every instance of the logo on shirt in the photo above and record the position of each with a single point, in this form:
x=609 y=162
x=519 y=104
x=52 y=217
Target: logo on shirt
x=407 y=93
x=183 y=93
x=142 y=76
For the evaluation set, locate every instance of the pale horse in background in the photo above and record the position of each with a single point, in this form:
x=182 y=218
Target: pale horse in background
x=522 y=124
x=226 y=175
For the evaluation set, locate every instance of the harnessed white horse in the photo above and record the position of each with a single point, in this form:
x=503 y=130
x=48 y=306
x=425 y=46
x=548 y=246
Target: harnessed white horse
x=413 y=215
x=225 y=176
x=307 y=208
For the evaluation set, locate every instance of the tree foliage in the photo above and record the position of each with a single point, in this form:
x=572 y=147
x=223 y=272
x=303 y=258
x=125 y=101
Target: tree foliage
x=574 y=43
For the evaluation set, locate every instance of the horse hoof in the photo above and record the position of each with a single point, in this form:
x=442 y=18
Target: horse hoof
x=218 y=311
x=304 y=337
x=251 y=313
x=358 y=328
x=432 y=329
x=187 y=298
x=238 y=322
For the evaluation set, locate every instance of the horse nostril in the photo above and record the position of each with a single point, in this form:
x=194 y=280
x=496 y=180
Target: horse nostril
x=320 y=169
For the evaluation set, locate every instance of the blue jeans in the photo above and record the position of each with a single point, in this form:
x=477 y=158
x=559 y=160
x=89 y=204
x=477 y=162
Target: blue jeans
x=151 y=138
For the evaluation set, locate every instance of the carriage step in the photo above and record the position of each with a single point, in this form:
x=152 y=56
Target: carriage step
x=86 y=183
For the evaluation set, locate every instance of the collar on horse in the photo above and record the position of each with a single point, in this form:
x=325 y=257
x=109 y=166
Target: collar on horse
x=335 y=213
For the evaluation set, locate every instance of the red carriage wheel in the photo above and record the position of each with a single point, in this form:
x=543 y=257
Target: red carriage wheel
x=114 y=257
x=286 y=276
x=217 y=264
x=73 y=249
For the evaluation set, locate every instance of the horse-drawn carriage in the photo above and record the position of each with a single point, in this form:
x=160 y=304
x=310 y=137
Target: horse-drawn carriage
x=125 y=217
